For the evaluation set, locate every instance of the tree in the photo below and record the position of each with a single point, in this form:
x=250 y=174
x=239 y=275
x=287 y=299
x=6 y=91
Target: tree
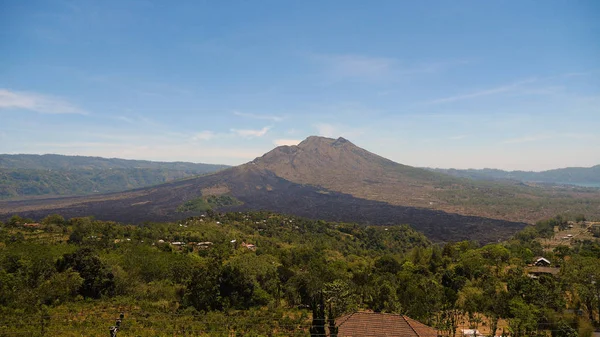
x=339 y=297
x=583 y=275
x=53 y=219
x=235 y=288
x=16 y=220
x=97 y=280
x=386 y=297
x=561 y=251
x=60 y=287
x=471 y=301
x=387 y=264
x=497 y=255
x=523 y=320
x=202 y=291
x=495 y=303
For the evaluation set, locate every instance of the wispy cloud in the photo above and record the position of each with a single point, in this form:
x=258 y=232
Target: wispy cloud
x=251 y=133
x=273 y=118
x=37 y=102
x=204 y=135
x=352 y=66
x=281 y=142
x=480 y=93
x=125 y=119
x=554 y=135
x=355 y=66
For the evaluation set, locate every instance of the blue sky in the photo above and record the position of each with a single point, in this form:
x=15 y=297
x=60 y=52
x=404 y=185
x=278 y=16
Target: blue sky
x=465 y=84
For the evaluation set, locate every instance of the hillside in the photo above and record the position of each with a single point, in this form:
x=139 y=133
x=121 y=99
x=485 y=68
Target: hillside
x=330 y=179
x=579 y=176
x=56 y=175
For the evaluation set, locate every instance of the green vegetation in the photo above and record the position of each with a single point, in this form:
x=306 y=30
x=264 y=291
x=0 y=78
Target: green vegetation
x=211 y=202
x=73 y=277
x=56 y=175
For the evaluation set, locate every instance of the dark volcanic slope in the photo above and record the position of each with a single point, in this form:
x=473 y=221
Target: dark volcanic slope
x=261 y=189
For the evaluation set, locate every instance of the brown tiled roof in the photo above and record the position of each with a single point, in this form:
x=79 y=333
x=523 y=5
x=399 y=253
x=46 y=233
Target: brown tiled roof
x=543 y=270
x=372 y=324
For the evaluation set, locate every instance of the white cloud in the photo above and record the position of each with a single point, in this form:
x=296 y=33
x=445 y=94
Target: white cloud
x=204 y=135
x=352 y=66
x=480 y=93
x=37 y=102
x=526 y=139
x=273 y=118
x=281 y=142
x=251 y=133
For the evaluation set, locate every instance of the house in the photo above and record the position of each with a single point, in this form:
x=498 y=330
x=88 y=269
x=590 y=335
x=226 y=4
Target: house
x=541 y=262
x=471 y=333
x=373 y=324
x=32 y=225
x=204 y=245
x=536 y=272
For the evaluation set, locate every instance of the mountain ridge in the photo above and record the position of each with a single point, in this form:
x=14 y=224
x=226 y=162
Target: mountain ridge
x=28 y=176
x=333 y=179
x=59 y=161
x=581 y=176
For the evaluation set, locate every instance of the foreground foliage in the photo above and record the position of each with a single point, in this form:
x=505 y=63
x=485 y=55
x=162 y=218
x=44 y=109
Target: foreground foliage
x=259 y=274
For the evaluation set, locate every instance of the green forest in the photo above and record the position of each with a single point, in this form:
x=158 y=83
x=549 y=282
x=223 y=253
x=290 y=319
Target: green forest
x=25 y=175
x=267 y=274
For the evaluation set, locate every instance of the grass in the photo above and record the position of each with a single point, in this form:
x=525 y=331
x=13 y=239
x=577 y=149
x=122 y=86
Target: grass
x=207 y=203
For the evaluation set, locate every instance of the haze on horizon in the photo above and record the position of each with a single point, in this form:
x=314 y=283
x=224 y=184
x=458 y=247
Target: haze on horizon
x=510 y=85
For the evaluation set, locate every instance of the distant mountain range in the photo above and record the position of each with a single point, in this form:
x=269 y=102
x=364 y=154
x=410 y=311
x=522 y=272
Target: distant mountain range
x=26 y=175
x=333 y=179
x=579 y=176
